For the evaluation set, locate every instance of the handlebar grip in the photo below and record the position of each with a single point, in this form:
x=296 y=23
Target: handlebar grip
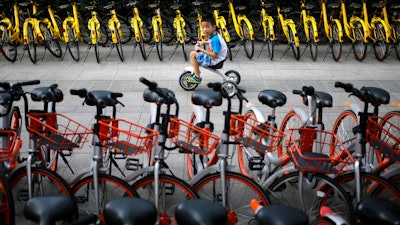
x=297 y=92
x=151 y=84
x=216 y=86
x=80 y=92
x=308 y=90
x=5 y=85
x=30 y=82
x=117 y=95
x=347 y=87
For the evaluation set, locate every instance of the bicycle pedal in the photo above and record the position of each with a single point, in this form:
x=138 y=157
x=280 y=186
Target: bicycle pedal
x=133 y=164
x=169 y=189
x=119 y=156
x=22 y=195
x=256 y=163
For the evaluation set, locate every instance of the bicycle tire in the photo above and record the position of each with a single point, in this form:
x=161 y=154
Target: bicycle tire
x=119 y=46
x=393 y=117
x=247 y=42
x=317 y=190
x=44 y=183
x=343 y=127
x=291 y=120
x=397 y=41
x=142 y=47
x=185 y=54
x=381 y=48
x=85 y=32
x=210 y=159
x=335 y=43
x=240 y=190
x=73 y=44
x=233 y=75
x=295 y=49
x=270 y=43
x=159 y=47
x=313 y=43
x=125 y=28
x=51 y=43
x=97 y=52
x=183 y=82
x=110 y=188
x=8 y=47
x=7 y=214
x=31 y=46
x=371 y=185
x=358 y=45
x=177 y=191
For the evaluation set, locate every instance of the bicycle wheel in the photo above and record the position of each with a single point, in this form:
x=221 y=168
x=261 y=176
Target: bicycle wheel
x=172 y=191
x=110 y=188
x=183 y=82
x=392 y=117
x=291 y=120
x=270 y=43
x=335 y=44
x=7 y=214
x=239 y=190
x=52 y=44
x=8 y=47
x=358 y=45
x=309 y=193
x=256 y=23
x=159 y=47
x=397 y=41
x=195 y=162
x=247 y=42
x=370 y=185
x=73 y=44
x=31 y=46
x=380 y=46
x=295 y=49
x=119 y=46
x=97 y=52
x=233 y=75
x=343 y=127
x=313 y=44
x=185 y=55
x=44 y=183
x=85 y=32
x=142 y=47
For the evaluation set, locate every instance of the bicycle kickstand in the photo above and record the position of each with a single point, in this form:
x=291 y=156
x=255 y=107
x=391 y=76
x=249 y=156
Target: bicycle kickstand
x=307 y=46
x=262 y=49
x=87 y=52
x=287 y=49
x=173 y=53
x=111 y=48
x=329 y=49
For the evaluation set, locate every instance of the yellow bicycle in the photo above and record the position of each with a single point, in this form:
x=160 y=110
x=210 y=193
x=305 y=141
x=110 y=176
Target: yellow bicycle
x=395 y=21
x=182 y=29
x=356 y=29
x=332 y=27
x=195 y=18
x=139 y=26
x=10 y=34
x=243 y=28
x=288 y=28
x=40 y=29
x=114 y=26
x=221 y=24
x=72 y=30
x=309 y=24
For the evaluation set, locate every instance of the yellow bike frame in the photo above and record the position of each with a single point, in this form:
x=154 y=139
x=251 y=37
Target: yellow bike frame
x=137 y=24
x=307 y=19
x=327 y=26
x=37 y=34
x=156 y=22
x=94 y=27
x=14 y=31
x=375 y=18
x=74 y=21
x=52 y=23
x=349 y=26
x=114 y=26
x=267 y=21
x=221 y=24
x=237 y=20
x=287 y=24
x=179 y=25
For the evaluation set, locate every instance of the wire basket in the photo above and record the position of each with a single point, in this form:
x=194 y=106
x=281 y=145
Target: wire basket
x=318 y=151
x=260 y=136
x=57 y=131
x=8 y=139
x=384 y=136
x=127 y=138
x=192 y=138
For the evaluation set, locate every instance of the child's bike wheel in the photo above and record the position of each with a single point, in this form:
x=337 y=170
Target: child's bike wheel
x=233 y=75
x=183 y=82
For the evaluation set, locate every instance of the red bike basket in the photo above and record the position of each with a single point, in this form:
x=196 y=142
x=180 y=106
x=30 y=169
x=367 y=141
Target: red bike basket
x=192 y=138
x=127 y=138
x=57 y=131
x=318 y=151
x=384 y=136
x=8 y=139
x=260 y=136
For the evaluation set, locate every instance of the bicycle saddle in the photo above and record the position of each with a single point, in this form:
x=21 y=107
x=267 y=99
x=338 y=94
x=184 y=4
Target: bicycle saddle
x=47 y=94
x=267 y=5
x=153 y=96
x=308 y=7
x=324 y=100
x=90 y=7
x=354 y=5
x=108 y=7
x=207 y=98
x=333 y=6
x=132 y=3
x=49 y=209
x=241 y=7
x=175 y=6
x=133 y=211
x=217 y=66
x=395 y=6
x=102 y=98
x=286 y=9
x=198 y=211
x=378 y=5
x=65 y=6
x=376 y=96
x=272 y=98
x=216 y=5
x=375 y=210
x=5 y=98
x=197 y=3
x=280 y=214
x=153 y=6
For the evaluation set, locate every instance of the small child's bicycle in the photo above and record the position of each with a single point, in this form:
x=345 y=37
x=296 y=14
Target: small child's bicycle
x=186 y=77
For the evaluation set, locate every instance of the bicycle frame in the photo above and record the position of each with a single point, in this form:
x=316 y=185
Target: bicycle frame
x=221 y=25
x=137 y=24
x=114 y=25
x=307 y=19
x=179 y=25
x=349 y=25
x=267 y=21
x=156 y=23
x=6 y=24
x=52 y=24
x=327 y=28
x=383 y=19
x=74 y=21
x=34 y=22
x=237 y=20
x=287 y=24
x=94 y=27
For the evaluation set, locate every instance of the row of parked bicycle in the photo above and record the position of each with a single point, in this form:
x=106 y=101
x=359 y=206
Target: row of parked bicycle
x=97 y=23
x=325 y=175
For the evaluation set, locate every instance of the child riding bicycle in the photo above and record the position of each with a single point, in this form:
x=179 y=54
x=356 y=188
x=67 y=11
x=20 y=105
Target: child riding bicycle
x=215 y=53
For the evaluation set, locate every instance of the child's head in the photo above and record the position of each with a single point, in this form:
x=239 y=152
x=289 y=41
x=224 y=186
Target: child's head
x=208 y=26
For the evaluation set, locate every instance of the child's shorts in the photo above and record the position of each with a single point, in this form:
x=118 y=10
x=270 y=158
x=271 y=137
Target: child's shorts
x=203 y=59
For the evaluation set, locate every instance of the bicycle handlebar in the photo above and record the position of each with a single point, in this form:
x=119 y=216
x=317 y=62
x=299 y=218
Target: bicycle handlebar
x=306 y=91
x=8 y=85
x=82 y=93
